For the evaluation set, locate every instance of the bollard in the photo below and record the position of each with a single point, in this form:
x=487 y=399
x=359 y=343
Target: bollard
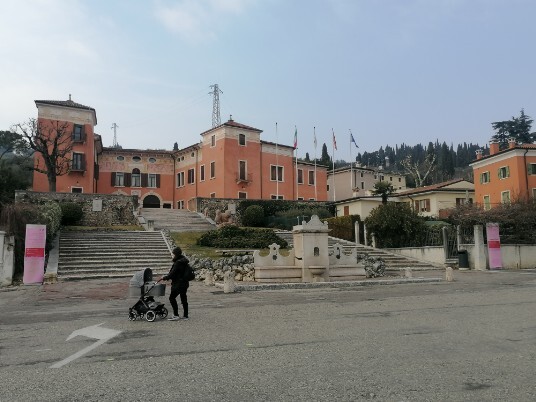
x=229 y=285
x=209 y=279
x=150 y=225
x=408 y=273
x=448 y=274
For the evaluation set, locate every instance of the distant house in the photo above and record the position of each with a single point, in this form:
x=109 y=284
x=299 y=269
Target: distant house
x=505 y=176
x=358 y=181
x=435 y=200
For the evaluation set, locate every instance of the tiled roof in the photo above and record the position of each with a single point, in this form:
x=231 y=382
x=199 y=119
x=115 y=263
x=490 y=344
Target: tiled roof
x=503 y=151
x=232 y=123
x=67 y=103
x=433 y=187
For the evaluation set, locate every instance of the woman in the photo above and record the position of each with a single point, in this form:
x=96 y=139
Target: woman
x=179 y=284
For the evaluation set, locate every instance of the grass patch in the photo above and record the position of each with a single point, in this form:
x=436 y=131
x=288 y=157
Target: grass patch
x=187 y=241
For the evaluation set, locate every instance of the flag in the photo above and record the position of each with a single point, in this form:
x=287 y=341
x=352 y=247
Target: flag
x=295 y=138
x=353 y=140
x=334 y=140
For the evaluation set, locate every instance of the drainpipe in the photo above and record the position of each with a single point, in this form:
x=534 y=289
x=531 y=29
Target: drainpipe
x=196 y=173
x=412 y=202
x=260 y=173
x=526 y=173
x=174 y=178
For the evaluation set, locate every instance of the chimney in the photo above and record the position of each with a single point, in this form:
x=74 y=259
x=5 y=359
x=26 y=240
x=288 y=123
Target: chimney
x=493 y=147
x=478 y=154
x=512 y=142
x=386 y=161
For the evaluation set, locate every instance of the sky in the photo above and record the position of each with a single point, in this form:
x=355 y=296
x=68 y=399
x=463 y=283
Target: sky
x=391 y=71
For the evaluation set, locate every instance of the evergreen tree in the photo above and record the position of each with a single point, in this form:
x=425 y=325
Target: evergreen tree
x=517 y=128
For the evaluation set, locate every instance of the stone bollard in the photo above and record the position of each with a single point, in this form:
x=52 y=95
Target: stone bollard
x=229 y=285
x=209 y=279
x=448 y=274
x=150 y=225
x=408 y=273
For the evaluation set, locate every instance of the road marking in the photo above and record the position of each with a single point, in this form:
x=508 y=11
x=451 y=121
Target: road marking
x=95 y=332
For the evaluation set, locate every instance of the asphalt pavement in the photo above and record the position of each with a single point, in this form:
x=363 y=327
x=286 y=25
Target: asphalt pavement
x=473 y=339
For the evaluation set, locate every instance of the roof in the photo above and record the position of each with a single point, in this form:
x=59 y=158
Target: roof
x=444 y=186
x=67 y=103
x=232 y=123
x=130 y=151
x=504 y=151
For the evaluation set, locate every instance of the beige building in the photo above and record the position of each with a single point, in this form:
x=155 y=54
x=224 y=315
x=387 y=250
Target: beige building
x=359 y=181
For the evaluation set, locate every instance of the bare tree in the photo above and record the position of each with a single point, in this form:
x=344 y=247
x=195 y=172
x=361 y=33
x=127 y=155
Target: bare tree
x=52 y=140
x=419 y=171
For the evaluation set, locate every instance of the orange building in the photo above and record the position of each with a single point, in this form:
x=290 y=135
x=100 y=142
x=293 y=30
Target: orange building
x=230 y=161
x=505 y=176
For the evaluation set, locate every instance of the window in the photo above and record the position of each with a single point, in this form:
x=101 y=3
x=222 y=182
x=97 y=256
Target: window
x=212 y=195
x=180 y=179
x=202 y=173
x=213 y=141
x=276 y=173
x=242 y=194
x=136 y=178
x=152 y=160
x=311 y=177
x=152 y=180
x=487 y=203
x=78 y=133
x=423 y=205
x=484 y=177
x=300 y=198
x=532 y=168
x=391 y=178
x=534 y=193
x=136 y=158
x=504 y=172
x=242 y=139
x=505 y=197
x=242 y=170
x=276 y=197
x=119 y=179
x=212 y=170
x=120 y=158
x=463 y=201
x=180 y=204
x=300 y=176
x=382 y=177
x=191 y=176
x=76 y=189
x=400 y=180
x=192 y=154
x=361 y=174
x=78 y=162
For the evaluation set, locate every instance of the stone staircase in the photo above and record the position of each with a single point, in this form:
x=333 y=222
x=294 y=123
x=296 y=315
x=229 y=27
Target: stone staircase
x=175 y=220
x=394 y=262
x=111 y=254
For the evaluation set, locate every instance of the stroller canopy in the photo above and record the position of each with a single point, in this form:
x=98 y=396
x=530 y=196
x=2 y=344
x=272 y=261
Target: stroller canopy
x=140 y=277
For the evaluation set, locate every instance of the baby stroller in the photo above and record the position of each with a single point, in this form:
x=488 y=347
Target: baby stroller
x=146 y=307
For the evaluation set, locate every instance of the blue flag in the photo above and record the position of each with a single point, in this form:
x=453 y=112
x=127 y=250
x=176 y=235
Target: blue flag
x=353 y=140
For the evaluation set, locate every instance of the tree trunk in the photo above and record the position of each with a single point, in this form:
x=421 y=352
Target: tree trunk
x=52 y=184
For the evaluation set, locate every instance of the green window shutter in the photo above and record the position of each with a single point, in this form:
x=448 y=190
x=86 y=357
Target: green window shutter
x=113 y=179
x=158 y=181
x=144 y=180
x=128 y=179
x=481 y=178
x=507 y=171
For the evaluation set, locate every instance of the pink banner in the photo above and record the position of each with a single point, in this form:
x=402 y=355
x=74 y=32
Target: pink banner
x=34 y=254
x=494 y=246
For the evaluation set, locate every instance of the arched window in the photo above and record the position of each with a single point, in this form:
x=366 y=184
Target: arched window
x=136 y=178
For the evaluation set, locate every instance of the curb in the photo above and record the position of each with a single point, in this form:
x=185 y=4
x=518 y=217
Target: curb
x=338 y=284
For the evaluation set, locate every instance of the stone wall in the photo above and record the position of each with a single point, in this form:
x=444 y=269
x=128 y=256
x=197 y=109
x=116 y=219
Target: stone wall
x=99 y=209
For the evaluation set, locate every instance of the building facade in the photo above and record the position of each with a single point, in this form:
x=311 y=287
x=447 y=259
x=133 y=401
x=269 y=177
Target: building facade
x=359 y=181
x=505 y=175
x=230 y=161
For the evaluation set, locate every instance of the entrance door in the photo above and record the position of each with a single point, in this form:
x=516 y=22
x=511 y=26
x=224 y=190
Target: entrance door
x=151 y=201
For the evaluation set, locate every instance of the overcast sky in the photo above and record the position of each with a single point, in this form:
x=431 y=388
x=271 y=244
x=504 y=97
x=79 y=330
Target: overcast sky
x=392 y=71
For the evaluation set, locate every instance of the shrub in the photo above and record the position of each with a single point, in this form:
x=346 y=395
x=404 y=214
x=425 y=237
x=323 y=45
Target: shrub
x=253 y=216
x=394 y=224
x=71 y=213
x=342 y=227
x=231 y=236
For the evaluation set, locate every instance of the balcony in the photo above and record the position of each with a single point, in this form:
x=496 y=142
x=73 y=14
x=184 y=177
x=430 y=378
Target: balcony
x=243 y=178
x=79 y=166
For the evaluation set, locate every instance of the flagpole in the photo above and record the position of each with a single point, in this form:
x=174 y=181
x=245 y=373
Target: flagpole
x=351 y=167
x=296 y=147
x=333 y=145
x=314 y=133
x=276 y=165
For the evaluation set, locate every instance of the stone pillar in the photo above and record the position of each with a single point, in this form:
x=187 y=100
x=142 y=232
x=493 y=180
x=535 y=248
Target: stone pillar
x=7 y=260
x=365 y=241
x=373 y=240
x=209 y=279
x=229 y=285
x=311 y=249
x=356 y=230
x=479 y=251
x=448 y=274
x=459 y=239
x=150 y=225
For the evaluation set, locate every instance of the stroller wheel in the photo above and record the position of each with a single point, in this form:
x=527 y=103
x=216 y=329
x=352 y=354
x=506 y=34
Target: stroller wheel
x=132 y=316
x=163 y=312
x=150 y=315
